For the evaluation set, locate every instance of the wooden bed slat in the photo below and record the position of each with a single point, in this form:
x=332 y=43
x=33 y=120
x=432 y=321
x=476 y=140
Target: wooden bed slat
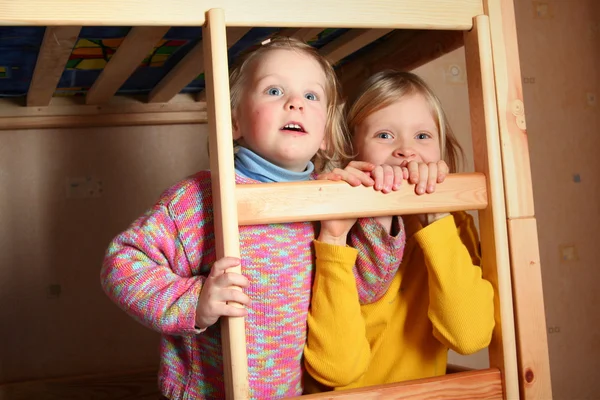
x=350 y=42
x=56 y=48
x=409 y=14
x=304 y=34
x=137 y=45
x=482 y=384
x=318 y=200
x=188 y=69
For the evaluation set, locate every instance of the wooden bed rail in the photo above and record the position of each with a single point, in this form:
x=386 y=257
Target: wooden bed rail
x=406 y=14
x=481 y=384
x=268 y=203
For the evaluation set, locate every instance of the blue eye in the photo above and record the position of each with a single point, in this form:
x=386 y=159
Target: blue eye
x=311 y=96
x=423 y=136
x=384 y=135
x=274 y=91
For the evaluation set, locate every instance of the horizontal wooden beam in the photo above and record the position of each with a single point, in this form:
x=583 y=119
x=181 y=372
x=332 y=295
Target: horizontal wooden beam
x=103 y=120
x=482 y=384
x=56 y=48
x=406 y=14
x=267 y=203
x=75 y=105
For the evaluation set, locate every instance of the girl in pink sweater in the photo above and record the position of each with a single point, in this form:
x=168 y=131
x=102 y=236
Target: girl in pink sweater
x=162 y=270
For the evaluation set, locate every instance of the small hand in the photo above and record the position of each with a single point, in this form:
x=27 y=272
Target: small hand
x=425 y=176
x=219 y=288
x=356 y=173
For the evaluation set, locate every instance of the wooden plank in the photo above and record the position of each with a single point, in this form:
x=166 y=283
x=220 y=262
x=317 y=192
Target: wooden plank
x=532 y=342
x=492 y=220
x=482 y=384
x=56 y=48
x=233 y=336
x=103 y=120
x=350 y=42
x=403 y=50
x=319 y=200
x=304 y=34
x=407 y=14
x=511 y=110
x=188 y=69
x=137 y=45
x=140 y=384
x=75 y=105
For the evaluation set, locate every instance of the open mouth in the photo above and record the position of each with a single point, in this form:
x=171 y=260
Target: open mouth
x=294 y=127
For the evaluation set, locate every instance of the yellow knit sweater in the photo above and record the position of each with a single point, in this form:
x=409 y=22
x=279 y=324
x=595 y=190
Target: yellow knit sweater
x=437 y=300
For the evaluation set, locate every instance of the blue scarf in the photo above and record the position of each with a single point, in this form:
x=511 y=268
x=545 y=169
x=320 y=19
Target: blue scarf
x=251 y=165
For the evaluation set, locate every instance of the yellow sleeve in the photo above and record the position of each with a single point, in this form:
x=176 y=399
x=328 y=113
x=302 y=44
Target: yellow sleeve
x=337 y=352
x=461 y=302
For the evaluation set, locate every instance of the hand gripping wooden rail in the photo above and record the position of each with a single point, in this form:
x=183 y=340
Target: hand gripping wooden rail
x=500 y=190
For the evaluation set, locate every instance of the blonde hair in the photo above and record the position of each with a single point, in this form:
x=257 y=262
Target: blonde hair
x=385 y=88
x=336 y=134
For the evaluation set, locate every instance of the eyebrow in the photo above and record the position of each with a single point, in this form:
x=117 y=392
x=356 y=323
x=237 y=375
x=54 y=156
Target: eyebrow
x=276 y=76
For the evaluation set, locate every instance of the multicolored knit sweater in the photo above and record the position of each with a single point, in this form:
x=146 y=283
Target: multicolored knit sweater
x=155 y=271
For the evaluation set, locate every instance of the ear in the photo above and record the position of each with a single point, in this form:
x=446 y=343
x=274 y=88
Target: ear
x=323 y=144
x=235 y=127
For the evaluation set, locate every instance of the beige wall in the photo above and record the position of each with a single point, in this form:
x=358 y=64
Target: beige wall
x=559 y=46
x=47 y=238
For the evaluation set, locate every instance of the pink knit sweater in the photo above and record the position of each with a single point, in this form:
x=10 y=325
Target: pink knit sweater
x=155 y=270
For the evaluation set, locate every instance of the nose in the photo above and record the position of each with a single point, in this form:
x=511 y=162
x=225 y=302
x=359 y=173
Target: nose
x=294 y=102
x=404 y=151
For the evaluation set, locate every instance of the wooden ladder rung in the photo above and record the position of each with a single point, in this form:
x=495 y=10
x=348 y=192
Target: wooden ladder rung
x=480 y=384
x=268 y=203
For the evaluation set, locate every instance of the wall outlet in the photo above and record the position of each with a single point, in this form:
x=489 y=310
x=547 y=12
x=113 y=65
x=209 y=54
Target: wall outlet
x=553 y=329
x=82 y=188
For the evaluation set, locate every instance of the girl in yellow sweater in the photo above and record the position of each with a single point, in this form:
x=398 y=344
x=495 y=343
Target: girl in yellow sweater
x=435 y=298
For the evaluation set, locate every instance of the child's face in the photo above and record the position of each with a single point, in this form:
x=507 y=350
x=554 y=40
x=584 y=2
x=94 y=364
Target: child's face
x=402 y=131
x=283 y=109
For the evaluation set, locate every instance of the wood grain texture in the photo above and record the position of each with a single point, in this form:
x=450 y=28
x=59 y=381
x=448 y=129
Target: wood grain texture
x=482 y=384
x=54 y=53
x=188 y=69
x=103 y=120
x=492 y=220
x=319 y=200
x=412 y=14
x=532 y=340
x=138 y=43
x=226 y=229
x=511 y=109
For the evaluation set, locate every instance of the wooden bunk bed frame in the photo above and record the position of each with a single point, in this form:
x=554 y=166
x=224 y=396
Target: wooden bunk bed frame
x=500 y=189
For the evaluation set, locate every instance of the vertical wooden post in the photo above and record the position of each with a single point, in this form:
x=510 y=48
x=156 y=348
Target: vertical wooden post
x=235 y=363
x=494 y=237
x=532 y=342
